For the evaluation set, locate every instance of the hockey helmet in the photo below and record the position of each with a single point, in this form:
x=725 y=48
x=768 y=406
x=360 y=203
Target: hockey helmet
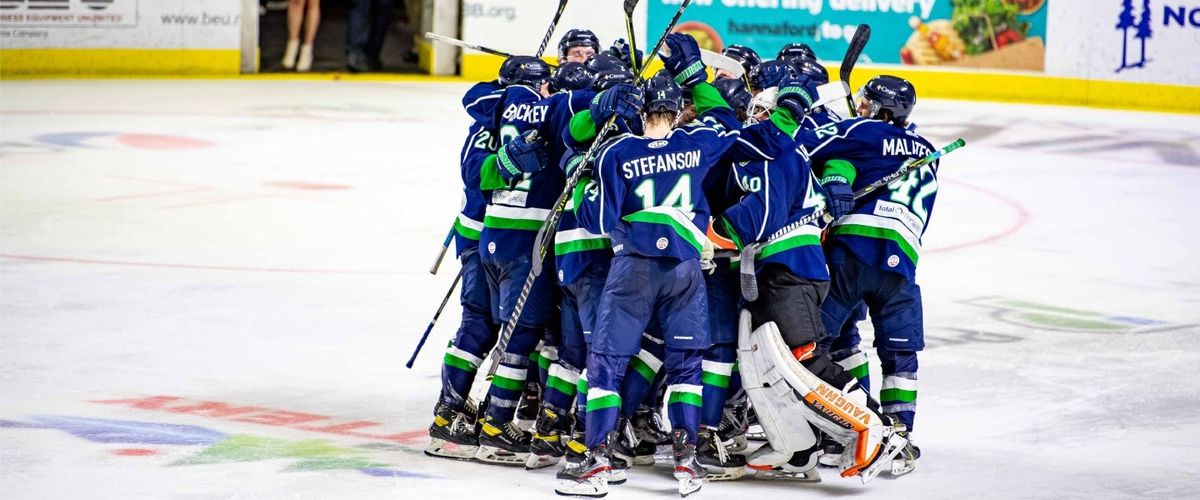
x=889 y=93
x=572 y=76
x=578 y=38
x=663 y=95
x=524 y=70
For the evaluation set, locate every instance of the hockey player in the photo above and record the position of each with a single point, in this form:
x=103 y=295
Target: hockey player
x=647 y=198
x=796 y=52
x=452 y=433
x=874 y=243
x=791 y=382
x=521 y=190
x=742 y=54
x=578 y=45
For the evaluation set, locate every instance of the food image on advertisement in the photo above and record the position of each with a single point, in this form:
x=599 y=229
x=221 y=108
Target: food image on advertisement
x=706 y=37
x=979 y=34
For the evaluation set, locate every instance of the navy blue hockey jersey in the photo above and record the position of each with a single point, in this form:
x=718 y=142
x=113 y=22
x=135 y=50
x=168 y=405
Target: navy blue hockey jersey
x=886 y=227
x=480 y=102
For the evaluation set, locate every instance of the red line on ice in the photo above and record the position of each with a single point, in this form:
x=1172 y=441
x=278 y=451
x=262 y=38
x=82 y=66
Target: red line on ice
x=1022 y=219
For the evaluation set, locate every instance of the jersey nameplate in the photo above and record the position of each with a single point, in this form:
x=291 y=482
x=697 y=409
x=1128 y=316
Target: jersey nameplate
x=650 y=165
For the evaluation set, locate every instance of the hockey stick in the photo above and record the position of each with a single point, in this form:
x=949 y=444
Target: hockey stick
x=857 y=43
x=633 y=63
x=432 y=322
x=479 y=48
x=749 y=283
x=562 y=5
x=546 y=234
x=716 y=60
x=442 y=254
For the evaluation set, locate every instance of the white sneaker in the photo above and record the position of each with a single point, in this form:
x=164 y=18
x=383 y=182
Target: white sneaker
x=306 y=58
x=289 y=54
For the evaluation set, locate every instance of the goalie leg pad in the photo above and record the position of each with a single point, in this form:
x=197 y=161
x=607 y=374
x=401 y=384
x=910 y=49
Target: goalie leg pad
x=785 y=393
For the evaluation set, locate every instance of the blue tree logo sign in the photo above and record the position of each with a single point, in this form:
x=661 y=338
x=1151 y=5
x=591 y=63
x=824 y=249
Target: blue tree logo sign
x=1140 y=26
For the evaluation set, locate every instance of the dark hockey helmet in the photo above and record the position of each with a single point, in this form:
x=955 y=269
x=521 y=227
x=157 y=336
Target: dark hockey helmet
x=524 y=70
x=578 y=38
x=814 y=70
x=889 y=93
x=572 y=76
x=796 y=52
x=608 y=71
x=790 y=67
x=663 y=95
x=743 y=54
x=734 y=91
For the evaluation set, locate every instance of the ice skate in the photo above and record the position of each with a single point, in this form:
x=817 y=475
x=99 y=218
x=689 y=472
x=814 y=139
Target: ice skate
x=831 y=452
x=648 y=427
x=775 y=465
x=629 y=448
x=587 y=478
x=890 y=446
x=290 y=53
x=502 y=443
x=720 y=463
x=688 y=470
x=550 y=433
x=734 y=424
x=906 y=461
x=452 y=434
x=305 y=60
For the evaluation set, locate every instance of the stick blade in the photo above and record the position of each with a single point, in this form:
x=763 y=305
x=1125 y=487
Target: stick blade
x=629 y=6
x=857 y=43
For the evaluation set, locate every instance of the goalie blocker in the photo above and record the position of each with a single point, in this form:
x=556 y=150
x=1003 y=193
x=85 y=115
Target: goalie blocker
x=788 y=397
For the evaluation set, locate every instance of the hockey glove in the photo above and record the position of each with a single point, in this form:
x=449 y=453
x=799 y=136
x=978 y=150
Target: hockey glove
x=522 y=155
x=620 y=50
x=773 y=73
x=684 y=62
x=840 y=199
x=622 y=100
x=797 y=95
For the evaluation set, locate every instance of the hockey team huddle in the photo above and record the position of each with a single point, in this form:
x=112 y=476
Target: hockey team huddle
x=643 y=304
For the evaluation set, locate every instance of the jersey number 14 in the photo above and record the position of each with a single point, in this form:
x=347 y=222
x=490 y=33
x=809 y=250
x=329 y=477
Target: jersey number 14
x=679 y=197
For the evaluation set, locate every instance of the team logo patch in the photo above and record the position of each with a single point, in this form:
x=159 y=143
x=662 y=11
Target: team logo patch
x=661 y=244
x=893 y=261
x=492 y=248
x=657 y=144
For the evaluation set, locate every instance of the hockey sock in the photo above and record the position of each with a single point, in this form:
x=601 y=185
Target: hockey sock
x=509 y=379
x=717 y=372
x=686 y=393
x=604 y=375
x=561 y=385
x=463 y=357
x=898 y=395
x=639 y=377
x=855 y=362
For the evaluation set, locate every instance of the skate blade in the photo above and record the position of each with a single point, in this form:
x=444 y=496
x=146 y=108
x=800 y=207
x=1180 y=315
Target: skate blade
x=446 y=449
x=810 y=476
x=540 y=461
x=724 y=473
x=689 y=485
x=493 y=455
x=594 y=488
x=901 y=467
x=895 y=447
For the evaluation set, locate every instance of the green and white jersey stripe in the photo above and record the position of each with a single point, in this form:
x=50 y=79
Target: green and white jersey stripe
x=646 y=364
x=467 y=227
x=884 y=228
x=808 y=234
x=674 y=218
x=505 y=217
x=579 y=240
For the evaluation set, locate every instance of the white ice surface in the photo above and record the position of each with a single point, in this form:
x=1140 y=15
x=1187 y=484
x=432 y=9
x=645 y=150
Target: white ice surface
x=170 y=264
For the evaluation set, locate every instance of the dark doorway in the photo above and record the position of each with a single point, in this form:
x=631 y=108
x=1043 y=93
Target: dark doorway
x=329 y=49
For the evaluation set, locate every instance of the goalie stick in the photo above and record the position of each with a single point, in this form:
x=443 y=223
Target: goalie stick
x=747 y=279
x=546 y=234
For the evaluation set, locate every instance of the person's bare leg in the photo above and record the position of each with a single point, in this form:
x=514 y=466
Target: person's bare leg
x=310 y=35
x=295 y=17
